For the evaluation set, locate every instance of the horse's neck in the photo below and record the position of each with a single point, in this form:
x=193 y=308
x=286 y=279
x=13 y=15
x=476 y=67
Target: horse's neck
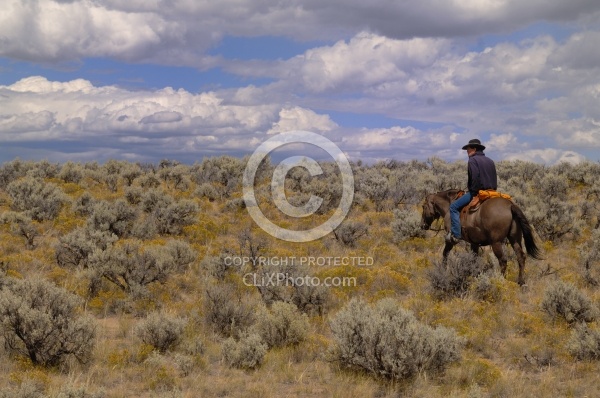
x=442 y=204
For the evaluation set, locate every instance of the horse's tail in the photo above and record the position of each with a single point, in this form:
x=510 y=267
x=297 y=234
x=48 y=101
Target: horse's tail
x=532 y=249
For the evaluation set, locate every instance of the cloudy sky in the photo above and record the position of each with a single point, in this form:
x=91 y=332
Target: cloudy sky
x=182 y=79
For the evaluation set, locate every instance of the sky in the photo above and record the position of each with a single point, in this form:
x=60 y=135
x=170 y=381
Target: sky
x=145 y=80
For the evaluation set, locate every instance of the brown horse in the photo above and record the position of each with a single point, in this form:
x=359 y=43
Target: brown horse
x=496 y=220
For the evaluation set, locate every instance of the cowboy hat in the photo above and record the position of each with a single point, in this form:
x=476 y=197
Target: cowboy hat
x=474 y=143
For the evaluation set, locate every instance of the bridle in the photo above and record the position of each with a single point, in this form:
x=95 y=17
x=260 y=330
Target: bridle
x=436 y=215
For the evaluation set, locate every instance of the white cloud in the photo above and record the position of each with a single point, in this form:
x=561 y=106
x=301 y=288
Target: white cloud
x=548 y=156
x=579 y=52
x=404 y=143
x=25 y=123
x=367 y=60
x=162 y=117
x=385 y=58
x=297 y=118
x=384 y=139
x=173 y=121
x=180 y=32
x=505 y=91
x=52 y=31
x=502 y=142
x=41 y=85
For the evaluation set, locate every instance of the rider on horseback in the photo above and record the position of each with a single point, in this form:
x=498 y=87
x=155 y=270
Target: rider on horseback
x=482 y=175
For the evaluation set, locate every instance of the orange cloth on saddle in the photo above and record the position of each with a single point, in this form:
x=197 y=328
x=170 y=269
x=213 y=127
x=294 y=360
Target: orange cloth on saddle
x=492 y=193
x=482 y=196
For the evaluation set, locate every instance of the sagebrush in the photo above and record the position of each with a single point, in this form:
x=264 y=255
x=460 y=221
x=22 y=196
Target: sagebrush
x=43 y=322
x=388 y=341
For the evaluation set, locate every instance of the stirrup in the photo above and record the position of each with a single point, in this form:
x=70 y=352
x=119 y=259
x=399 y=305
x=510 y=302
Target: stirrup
x=451 y=239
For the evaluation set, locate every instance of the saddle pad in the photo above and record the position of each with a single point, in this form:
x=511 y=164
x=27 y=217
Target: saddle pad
x=492 y=193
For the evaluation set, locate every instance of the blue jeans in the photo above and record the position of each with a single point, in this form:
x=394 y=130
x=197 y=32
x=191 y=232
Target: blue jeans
x=455 y=208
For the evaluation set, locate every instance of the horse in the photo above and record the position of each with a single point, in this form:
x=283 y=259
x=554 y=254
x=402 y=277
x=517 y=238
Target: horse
x=496 y=220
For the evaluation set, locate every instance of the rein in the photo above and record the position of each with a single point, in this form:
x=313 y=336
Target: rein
x=436 y=230
x=437 y=216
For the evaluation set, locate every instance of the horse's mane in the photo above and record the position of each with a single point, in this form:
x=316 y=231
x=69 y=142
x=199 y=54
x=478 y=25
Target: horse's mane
x=449 y=194
x=450 y=191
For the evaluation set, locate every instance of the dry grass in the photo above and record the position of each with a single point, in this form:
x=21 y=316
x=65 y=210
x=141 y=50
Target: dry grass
x=512 y=349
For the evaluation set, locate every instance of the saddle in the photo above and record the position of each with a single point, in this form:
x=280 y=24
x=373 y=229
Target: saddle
x=476 y=202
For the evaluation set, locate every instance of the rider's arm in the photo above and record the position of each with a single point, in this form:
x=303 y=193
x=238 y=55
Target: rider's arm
x=474 y=177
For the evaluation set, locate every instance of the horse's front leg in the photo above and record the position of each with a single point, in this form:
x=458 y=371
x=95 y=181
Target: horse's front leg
x=447 y=249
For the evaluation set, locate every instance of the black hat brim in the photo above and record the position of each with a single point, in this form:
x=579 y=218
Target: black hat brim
x=478 y=146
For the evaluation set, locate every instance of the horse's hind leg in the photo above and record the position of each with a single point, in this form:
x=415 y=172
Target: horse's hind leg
x=516 y=245
x=499 y=252
x=475 y=248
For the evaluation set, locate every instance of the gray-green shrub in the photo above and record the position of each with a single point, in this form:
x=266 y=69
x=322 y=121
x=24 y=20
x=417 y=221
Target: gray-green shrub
x=181 y=253
x=40 y=200
x=388 y=341
x=217 y=266
x=79 y=392
x=133 y=195
x=553 y=186
x=564 y=300
x=226 y=171
x=227 y=310
x=149 y=181
x=130 y=172
x=113 y=166
x=349 y=232
x=487 y=287
x=235 y=204
x=553 y=219
x=312 y=299
x=590 y=258
x=172 y=218
x=41 y=321
x=309 y=298
x=282 y=325
x=75 y=248
x=132 y=267
x=111 y=181
x=374 y=185
x=208 y=191
x=176 y=176
x=251 y=245
x=246 y=353
x=329 y=189
x=84 y=204
x=11 y=171
x=144 y=228
x=161 y=331
x=455 y=277
x=27 y=389
x=155 y=198
x=21 y=225
x=116 y=217
x=406 y=225
x=584 y=343
x=71 y=172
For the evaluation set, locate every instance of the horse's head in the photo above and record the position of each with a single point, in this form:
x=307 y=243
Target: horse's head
x=430 y=214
